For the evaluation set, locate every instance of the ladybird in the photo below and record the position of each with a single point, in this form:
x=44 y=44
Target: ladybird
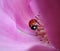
x=32 y=24
x=35 y=24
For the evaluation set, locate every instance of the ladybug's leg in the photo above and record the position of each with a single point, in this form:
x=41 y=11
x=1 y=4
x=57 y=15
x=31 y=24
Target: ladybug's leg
x=41 y=32
x=38 y=20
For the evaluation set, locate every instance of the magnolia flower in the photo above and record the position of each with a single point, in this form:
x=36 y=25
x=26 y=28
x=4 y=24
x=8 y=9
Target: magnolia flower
x=15 y=33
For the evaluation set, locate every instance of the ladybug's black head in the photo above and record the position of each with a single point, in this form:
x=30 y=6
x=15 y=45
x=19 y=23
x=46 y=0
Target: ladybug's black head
x=34 y=27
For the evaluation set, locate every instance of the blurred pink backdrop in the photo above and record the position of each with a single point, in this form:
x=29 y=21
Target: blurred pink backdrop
x=14 y=29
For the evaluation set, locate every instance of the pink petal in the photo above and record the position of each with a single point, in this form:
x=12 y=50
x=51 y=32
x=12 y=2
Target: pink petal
x=10 y=38
x=8 y=28
x=21 y=11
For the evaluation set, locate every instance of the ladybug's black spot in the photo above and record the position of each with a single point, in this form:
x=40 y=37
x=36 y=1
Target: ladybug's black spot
x=34 y=27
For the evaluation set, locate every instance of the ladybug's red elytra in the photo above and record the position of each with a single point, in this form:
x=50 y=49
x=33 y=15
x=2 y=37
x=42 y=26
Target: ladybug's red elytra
x=32 y=24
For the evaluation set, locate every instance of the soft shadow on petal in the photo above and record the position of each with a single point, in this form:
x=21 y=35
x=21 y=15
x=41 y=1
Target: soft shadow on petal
x=7 y=26
x=41 y=48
